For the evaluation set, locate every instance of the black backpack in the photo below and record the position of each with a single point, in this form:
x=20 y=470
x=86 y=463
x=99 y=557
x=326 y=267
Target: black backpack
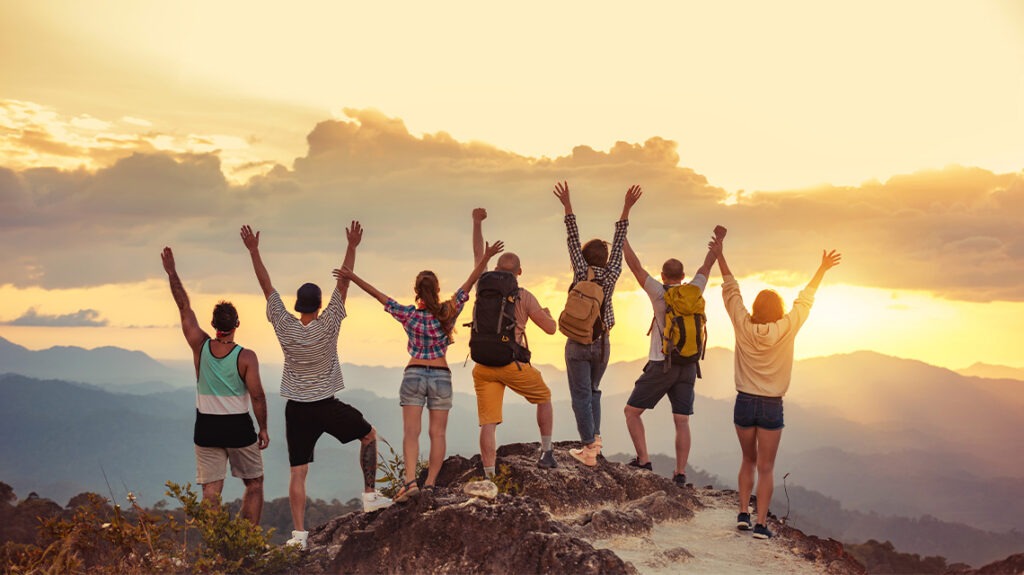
x=492 y=341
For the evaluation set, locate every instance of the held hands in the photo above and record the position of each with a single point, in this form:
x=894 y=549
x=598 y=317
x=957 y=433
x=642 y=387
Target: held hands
x=167 y=257
x=251 y=240
x=720 y=232
x=830 y=260
x=716 y=246
x=562 y=193
x=354 y=233
x=479 y=214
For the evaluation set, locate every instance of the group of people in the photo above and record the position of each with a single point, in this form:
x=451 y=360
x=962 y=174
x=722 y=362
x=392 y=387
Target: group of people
x=228 y=379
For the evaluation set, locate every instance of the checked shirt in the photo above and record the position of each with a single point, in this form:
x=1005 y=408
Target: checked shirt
x=606 y=276
x=427 y=339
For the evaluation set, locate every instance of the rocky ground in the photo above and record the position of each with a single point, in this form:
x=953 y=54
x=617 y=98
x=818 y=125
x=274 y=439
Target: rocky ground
x=572 y=519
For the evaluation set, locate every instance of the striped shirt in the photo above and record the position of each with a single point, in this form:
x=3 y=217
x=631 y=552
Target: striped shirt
x=606 y=276
x=427 y=338
x=311 y=368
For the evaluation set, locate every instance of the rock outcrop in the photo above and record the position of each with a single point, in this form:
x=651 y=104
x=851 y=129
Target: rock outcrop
x=545 y=521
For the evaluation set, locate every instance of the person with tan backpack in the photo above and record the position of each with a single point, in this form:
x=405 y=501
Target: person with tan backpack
x=588 y=317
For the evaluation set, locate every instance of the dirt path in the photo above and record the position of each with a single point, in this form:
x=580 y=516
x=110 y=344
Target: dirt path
x=713 y=541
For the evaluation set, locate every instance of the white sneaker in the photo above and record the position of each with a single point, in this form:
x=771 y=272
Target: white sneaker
x=298 y=539
x=373 y=501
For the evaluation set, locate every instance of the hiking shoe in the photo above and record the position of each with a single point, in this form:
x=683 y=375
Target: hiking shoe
x=679 y=479
x=299 y=539
x=547 y=460
x=761 y=532
x=587 y=455
x=636 y=463
x=743 y=522
x=373 y=501
x=407 y=492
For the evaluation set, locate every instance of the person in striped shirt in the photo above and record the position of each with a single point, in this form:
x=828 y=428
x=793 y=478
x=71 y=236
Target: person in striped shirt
x=311 y=377
x=427 y=380
x=585 y=363
x=227 y=379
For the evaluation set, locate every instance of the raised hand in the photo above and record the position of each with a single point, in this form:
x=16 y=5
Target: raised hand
x=720 y=232
x=343 y=273
x=167 y=257
x=830 y=260
x=354 y=233
x=562 y=193
x=250 y=239
x=494 y=249
x=715 y=246
x=632 y=195
x=479 y=214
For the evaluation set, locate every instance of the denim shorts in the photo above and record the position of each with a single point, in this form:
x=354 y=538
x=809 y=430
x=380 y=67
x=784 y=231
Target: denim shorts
x=758 y=411
x=430 y=386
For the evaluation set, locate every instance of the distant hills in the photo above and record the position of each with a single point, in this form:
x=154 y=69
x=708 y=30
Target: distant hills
x=885 y=436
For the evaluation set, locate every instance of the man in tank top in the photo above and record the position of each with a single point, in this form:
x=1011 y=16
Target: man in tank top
x=227 y=381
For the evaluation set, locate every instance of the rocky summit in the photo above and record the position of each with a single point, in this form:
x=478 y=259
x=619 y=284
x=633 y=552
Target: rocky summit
x=572 y=519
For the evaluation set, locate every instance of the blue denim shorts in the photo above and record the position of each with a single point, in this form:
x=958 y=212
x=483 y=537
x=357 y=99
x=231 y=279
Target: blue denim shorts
x=430 y=386
x=758 y=411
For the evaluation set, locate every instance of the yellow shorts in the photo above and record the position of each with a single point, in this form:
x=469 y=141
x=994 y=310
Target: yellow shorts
x=490 y=384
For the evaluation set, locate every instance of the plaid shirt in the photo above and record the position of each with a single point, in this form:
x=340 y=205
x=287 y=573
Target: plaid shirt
x=606 y=276
x=427 y=338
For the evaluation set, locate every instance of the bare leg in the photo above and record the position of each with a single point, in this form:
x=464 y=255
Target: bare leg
x=767 y=447
x=488 y=444
x=297 y=495
x=745 y=481
x=252 y=500
x=412 y=418
x=635 y=425
x=682 y=441
x=211 y=491
x=438 y=443
x=545 y=418
x=368 y=460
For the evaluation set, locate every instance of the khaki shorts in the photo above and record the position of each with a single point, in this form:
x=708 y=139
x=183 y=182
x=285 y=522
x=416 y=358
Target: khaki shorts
x=211 y=463
x=490 y=384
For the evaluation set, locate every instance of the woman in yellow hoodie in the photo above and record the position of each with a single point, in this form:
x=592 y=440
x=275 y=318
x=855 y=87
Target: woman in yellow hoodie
x=764 y=364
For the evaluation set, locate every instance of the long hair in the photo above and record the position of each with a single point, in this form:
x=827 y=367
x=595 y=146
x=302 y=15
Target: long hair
x=427 y=290
x=768 y=307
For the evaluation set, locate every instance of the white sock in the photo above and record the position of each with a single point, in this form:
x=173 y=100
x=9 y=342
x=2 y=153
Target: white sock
x=545 y=443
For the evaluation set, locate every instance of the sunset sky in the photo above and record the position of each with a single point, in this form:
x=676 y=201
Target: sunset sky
x=891 y=131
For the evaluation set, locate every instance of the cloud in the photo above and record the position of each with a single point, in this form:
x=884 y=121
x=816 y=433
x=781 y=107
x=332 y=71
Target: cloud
x=81 y=318
x=955 y=231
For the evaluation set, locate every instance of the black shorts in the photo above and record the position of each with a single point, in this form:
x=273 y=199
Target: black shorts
x=656 y=383
x=305 y=422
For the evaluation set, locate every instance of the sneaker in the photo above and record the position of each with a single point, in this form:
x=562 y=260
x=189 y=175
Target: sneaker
x=743 y=522
x=636 y=463
x=587 y=455
x=299 y=539
x=761 y=532
x=679 y=479
x=547 y=460
x=373 y=501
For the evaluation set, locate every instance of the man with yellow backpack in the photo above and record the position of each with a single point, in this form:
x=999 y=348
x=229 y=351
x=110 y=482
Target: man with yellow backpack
x=678 y=337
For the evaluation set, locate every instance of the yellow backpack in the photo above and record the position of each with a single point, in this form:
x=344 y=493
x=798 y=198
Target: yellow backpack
x=685 y=334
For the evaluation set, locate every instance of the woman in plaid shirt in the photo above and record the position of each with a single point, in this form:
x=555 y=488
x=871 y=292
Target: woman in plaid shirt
x=427 y=379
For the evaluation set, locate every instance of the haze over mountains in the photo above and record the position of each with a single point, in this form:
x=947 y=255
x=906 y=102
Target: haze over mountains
x=882 y=436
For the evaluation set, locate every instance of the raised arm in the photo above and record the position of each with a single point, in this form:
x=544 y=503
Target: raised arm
x=716 y=247
x=250 y=370
x=828 y=261
x=632 y=195
x=633 y=262
x=479 y=215
x=252 y=243
x=709 y=259
x=489 y=252
x=347 y=274
x=572 y=233
x=354 y=233
x=194 y=335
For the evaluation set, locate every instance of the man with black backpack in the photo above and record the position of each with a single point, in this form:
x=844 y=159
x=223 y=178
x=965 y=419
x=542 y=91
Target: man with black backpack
x=498 y=345
x=678 y=337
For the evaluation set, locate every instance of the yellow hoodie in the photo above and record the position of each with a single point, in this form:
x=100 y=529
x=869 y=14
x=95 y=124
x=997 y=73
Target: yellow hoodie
x=764 y=352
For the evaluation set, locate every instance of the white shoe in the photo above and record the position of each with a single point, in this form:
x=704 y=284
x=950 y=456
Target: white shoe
x=299 y=539
x=373 y=501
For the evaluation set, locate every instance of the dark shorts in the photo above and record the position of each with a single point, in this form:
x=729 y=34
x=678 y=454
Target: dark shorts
x=305 y=422
x=758 y=411
x=656 y=383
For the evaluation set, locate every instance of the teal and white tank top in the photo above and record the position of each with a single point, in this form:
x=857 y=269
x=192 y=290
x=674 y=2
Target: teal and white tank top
x=220 y=389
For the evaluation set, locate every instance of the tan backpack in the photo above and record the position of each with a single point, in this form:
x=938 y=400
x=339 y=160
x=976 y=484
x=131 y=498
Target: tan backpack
x=581 y=319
